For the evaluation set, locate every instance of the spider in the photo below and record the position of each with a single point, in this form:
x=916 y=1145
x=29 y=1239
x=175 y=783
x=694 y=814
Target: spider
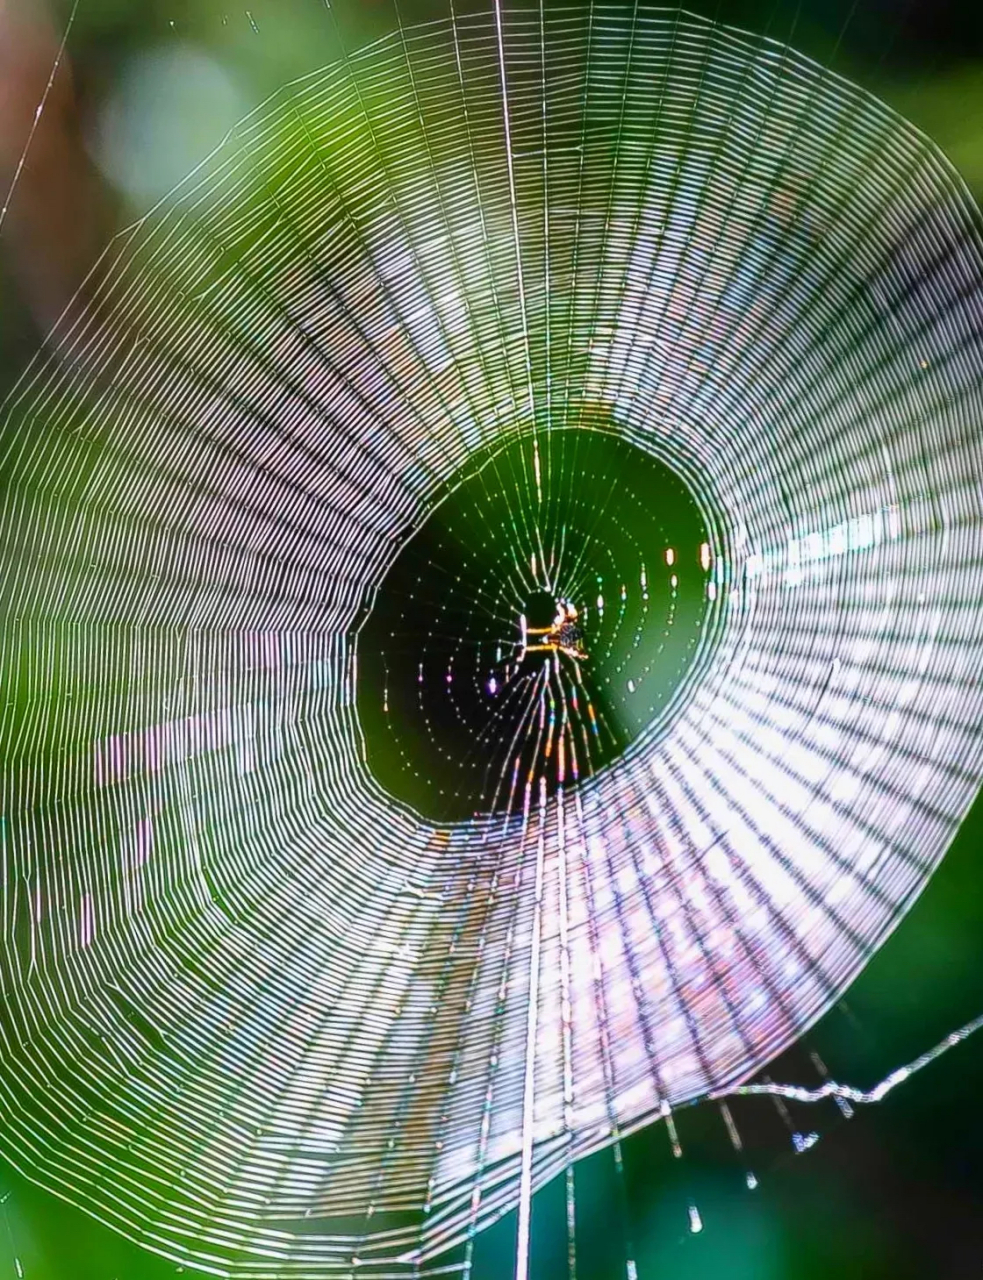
x=563 y=635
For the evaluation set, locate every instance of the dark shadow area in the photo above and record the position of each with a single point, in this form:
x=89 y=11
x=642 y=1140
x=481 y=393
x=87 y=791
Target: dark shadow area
x=471 y=684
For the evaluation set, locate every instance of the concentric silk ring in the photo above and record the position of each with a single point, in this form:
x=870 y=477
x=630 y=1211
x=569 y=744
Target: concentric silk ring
x=259 y=1016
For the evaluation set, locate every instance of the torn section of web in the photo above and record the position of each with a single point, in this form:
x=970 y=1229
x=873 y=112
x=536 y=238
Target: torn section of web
x=849 y=1093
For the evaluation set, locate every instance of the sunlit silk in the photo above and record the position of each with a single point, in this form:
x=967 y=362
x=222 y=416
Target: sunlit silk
x=261 y=1011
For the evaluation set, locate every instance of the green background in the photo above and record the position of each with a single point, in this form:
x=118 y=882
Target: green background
x=896 y=1192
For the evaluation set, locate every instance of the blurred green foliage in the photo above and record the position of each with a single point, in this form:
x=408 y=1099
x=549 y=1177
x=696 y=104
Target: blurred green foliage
x=894 y=1194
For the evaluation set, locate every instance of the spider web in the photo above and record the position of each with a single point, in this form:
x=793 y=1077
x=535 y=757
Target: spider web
x=257 y=1014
